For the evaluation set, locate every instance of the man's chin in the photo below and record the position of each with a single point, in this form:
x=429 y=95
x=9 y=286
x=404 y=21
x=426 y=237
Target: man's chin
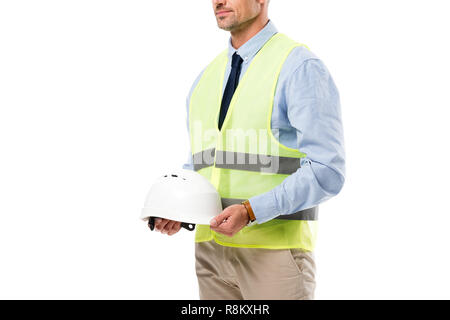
x=225 y=27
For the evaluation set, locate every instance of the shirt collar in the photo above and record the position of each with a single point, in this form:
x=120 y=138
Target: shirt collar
x=249 y=49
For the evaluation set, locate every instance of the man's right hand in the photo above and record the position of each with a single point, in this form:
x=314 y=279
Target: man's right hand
x=166 y=226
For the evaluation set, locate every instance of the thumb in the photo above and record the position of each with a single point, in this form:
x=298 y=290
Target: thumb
x=217 y=220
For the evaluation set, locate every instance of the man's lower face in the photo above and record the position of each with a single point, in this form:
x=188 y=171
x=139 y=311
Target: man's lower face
x=226 y=22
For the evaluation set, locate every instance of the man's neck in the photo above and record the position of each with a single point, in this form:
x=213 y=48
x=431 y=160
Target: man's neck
x=246 y=32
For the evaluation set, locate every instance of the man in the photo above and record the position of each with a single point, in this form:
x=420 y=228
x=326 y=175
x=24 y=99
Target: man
x=265 y=126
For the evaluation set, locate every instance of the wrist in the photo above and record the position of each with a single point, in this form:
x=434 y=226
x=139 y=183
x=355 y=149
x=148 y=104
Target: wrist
x=246 y=213
x=250 y=213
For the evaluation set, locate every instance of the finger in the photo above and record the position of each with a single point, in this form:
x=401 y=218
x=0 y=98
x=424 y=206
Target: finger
x=168 y=226
x=218 y=220
x=224 y=231
x=228 y=227
x=224 y=227
x=161 y=225
x=175 y=228
x=158 y=223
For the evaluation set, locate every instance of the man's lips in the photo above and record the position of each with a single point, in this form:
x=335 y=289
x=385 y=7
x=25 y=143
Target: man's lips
x=222 y=12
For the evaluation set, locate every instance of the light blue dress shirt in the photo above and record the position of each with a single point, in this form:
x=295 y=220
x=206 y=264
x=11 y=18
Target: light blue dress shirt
x=306 y=116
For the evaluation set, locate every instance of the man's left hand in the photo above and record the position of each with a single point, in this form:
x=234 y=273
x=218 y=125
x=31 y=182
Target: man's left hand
x=231 y=220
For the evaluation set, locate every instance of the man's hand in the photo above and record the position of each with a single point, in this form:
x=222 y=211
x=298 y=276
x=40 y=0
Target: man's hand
x=231 y=220
x=166 y=226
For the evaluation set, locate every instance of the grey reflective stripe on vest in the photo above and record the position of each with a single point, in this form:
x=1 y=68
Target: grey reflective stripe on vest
x=246 y=161
x=310 y=214
x=203 y=159
x=256 y=162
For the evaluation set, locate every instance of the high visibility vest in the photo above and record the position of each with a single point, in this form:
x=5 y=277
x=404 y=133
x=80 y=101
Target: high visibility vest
x=244 y=158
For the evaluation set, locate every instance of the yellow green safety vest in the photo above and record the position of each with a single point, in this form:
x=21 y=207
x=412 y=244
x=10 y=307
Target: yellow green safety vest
x=244 y=159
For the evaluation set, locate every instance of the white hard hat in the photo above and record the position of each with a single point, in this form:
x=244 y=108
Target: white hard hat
x=182 y=195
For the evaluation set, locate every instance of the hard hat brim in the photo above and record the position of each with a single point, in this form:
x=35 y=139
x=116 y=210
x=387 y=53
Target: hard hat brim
x=147 y=212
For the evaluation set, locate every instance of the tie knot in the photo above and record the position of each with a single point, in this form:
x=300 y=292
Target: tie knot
x=237 y=60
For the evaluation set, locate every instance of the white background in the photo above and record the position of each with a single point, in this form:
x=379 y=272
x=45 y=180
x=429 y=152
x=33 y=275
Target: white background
x=92 y=110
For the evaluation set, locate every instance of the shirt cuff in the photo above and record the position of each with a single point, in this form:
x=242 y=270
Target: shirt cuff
x=264 y=207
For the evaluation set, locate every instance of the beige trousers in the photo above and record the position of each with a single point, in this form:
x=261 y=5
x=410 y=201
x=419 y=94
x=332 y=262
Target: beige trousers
x=253 y=274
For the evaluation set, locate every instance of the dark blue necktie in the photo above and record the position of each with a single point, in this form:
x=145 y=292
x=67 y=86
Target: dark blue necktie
x=232 y=84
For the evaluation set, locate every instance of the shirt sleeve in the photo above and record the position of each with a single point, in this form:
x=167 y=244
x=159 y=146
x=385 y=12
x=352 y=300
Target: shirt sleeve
x=313 y=109
x=188 y=165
